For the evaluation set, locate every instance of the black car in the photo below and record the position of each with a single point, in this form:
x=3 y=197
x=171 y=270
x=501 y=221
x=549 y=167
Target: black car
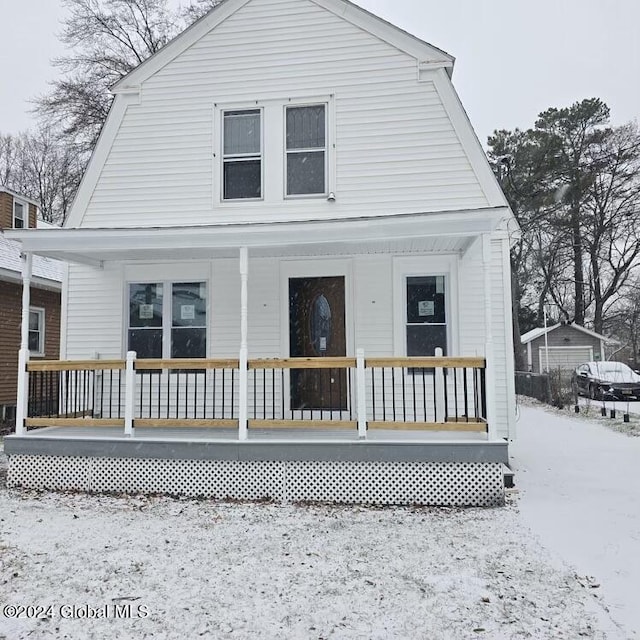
x=606 y=380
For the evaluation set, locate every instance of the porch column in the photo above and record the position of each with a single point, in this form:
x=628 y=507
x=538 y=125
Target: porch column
x=490 y=371
x=244 y=387
x=22 y=401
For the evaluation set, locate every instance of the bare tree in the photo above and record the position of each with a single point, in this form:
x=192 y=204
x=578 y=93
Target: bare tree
x=574 y=186
x=197 y=9
x=106 y=39
x=612 y=221
x=42 y=166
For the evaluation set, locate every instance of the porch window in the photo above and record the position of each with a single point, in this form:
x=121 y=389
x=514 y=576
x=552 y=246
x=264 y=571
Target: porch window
x=306 y=150
x=36 y=331
x=20 y=215
x=172 y=326
x=242 y=155
x=426 y=315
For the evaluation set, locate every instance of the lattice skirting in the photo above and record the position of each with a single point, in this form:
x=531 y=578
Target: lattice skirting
x=380 y=483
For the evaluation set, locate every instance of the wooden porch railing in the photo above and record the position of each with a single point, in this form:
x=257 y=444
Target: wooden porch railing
x=424 y=393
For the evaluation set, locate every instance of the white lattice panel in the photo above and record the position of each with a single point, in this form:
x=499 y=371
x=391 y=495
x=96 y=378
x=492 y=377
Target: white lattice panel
x=419 y=483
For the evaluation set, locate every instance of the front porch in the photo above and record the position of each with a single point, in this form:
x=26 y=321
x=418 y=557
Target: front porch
x=411 y=430
x=294 y=339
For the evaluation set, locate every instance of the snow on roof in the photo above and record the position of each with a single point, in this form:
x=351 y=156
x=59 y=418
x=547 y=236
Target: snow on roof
x=19 y=196
x=46 y=268
x=540 y=331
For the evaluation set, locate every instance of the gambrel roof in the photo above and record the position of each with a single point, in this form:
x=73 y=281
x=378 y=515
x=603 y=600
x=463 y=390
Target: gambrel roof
x=426 y=54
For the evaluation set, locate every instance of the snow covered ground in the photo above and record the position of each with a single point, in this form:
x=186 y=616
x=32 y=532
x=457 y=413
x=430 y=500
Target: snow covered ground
x=189 y=569
x=580 y=492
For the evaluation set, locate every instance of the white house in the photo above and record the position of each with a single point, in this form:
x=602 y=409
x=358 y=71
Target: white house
x=286 y=217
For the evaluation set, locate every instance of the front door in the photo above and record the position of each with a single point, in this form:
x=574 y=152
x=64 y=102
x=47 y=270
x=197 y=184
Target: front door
x=316 y=330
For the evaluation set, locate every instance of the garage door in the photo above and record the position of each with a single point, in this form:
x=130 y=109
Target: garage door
x=565 y=357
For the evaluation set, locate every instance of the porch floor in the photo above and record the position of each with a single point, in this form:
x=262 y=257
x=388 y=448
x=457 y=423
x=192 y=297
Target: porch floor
x=196 y=434
x=262 y=444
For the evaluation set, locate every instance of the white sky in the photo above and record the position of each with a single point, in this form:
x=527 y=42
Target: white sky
x=514 y=58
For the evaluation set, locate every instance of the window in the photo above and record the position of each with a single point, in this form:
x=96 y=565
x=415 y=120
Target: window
x=20 y=215
x=426 y=320
x=242 y=154
x=36 y=331
x=168 y=327
x=306 y=142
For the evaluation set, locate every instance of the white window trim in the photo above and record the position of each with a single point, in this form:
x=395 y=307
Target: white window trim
x=403 y=268
x=25 y=213
x=143 y=275
x=273 y=133
x=220 y=138
x=41 y=330
x=305 y=196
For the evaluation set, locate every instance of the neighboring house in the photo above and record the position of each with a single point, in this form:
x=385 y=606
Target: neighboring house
x=289 y=219
x=568 y=346
x=19 y=212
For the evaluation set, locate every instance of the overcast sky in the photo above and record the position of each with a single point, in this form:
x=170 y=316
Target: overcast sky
x=514 y=58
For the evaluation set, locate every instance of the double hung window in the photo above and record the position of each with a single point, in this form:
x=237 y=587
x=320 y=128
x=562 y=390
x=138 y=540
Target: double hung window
x=426 y=319
x=242 y=154
x=168 y=319
x=306 y=150
x=36 y=332
x=20 y=213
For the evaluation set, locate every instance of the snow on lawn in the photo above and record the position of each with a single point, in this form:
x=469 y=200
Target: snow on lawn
x=215 y=570
x=580 y=492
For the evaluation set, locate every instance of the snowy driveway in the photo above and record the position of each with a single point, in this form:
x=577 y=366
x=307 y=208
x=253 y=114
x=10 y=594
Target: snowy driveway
x=580 y=492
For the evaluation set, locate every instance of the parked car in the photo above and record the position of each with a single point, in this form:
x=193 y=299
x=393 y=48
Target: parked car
x=600 y=380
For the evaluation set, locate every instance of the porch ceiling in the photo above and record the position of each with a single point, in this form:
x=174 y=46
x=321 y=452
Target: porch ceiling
x=445 y=232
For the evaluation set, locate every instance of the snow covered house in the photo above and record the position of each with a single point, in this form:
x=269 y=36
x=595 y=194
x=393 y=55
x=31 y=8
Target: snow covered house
x=43 y=315
x=288 y=276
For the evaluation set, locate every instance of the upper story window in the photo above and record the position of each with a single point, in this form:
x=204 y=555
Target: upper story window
x=242 y=154
x=306 y=150
x=20 y=215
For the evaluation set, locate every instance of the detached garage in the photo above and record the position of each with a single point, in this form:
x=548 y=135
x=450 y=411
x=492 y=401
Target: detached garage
x=569 y=345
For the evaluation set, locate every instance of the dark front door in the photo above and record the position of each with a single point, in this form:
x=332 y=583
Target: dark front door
x=316 y=330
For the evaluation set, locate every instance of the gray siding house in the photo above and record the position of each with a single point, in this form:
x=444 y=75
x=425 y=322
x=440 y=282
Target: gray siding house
x=568 y=344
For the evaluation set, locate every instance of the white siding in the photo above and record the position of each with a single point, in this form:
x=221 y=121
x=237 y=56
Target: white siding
x=472 y=323
x=373 y=294
x=471 y=302
x=499 y=377
x=396 y=149
x=94 y=312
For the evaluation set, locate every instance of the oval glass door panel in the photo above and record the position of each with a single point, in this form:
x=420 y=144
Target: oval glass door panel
x=320 y=324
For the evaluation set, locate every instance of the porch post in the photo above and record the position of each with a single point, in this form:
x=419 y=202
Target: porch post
x=361 y=395
x=244 y=387
x=438 y=381
x=22 y=400
x=129 y=392
x=490 y=370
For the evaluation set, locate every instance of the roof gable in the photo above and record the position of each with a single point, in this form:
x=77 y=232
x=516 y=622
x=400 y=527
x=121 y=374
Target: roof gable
x=540 y=331
x=423 y=52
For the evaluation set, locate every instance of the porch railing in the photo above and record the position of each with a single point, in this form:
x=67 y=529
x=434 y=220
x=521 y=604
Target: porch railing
x=75 y=392
x=294 y=392
x=182 y=392
x=430 y=393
